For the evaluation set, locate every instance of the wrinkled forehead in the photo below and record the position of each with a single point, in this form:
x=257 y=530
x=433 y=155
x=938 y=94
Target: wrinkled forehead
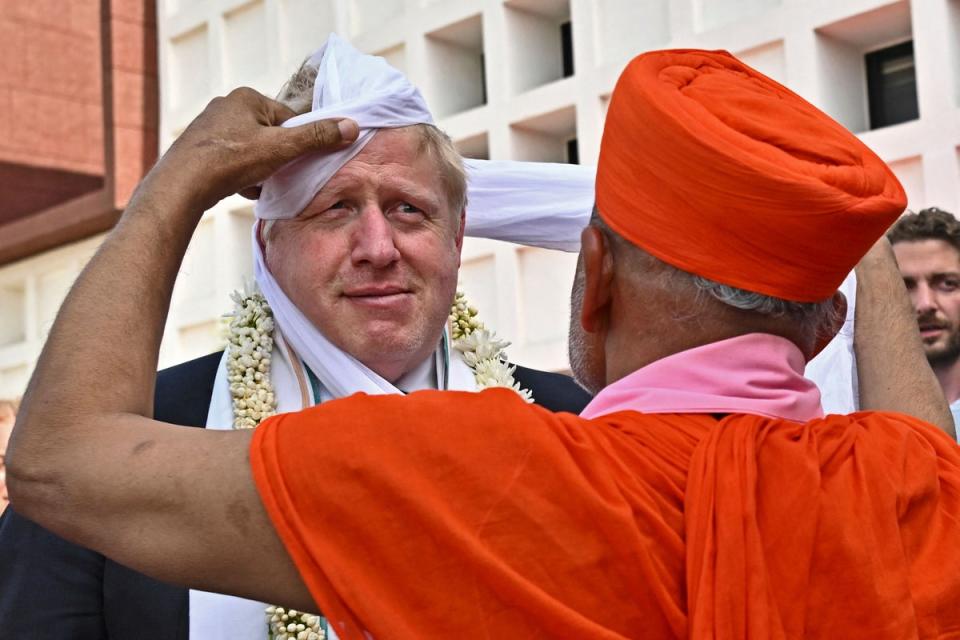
x=919 y=258
x=396 y=150
x=394 y=158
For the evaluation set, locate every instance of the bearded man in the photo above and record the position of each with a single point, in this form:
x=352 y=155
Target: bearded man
x=357 y=265
x=702 y=493
x=927 y=246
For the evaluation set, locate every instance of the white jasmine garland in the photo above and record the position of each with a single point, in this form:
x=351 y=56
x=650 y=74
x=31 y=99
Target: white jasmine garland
x=249 y=349
x=483 y=352
x=293 y=625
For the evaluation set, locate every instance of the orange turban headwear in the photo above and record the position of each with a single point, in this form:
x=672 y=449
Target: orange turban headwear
x=718 y=170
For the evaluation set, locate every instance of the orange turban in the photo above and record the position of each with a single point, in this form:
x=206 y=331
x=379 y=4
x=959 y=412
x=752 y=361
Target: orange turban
x=722 y=172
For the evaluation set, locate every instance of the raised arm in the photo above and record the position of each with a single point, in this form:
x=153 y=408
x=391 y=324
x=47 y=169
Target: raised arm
x=893 y=372
x=84 y=460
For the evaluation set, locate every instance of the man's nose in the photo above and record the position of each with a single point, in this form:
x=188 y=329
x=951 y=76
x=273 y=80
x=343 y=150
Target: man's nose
x=924 y=299
x=373 y=239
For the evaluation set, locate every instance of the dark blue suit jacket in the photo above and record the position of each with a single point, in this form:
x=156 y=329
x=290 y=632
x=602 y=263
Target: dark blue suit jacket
x=52 y=589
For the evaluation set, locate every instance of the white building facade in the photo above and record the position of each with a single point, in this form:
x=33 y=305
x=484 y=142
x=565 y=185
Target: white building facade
x=527 y=80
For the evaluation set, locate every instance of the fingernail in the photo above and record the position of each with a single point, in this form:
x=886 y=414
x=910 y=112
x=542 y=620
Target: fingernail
x=348 y=129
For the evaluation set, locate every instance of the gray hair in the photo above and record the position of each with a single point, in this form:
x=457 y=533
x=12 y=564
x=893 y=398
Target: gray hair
x=819 y=317
x=816 y=317
x=297 y=94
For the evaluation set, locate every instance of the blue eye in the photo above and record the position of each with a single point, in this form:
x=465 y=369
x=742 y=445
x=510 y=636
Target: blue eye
x=406 y=207
x=408 y=213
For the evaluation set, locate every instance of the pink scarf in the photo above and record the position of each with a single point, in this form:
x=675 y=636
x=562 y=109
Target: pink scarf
x=758 y=373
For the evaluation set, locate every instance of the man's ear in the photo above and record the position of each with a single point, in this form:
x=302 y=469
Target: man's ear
x=261 y=233
x=837 y=318
x=597 y=264
x=463 y=222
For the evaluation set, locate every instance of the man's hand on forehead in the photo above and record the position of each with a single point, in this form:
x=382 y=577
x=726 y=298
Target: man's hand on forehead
x=236 y=143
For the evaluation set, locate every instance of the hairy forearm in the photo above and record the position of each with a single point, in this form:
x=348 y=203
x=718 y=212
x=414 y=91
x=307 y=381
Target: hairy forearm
x=893 y=372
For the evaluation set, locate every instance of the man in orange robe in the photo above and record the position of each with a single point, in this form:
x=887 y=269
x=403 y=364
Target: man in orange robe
x=702 y=494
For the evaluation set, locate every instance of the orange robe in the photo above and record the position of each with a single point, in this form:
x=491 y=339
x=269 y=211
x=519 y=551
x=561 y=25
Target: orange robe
x=460 y=515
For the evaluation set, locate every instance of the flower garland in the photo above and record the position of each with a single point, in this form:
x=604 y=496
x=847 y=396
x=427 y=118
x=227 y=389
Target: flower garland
x=249 y=349
x=250 y=345
x=483 y=352
x=293 y=625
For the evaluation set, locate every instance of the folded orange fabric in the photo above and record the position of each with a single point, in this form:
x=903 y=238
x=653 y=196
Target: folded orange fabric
x=445 y=515
x=720 y=171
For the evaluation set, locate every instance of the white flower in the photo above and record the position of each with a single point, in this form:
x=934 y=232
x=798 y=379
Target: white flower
x=463 y=320
x=248 y=360
x=497 y=373
x=481 y=345
x=482 y=350
x=287 y=625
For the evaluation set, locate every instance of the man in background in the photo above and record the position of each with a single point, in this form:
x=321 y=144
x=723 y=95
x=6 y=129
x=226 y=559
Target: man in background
x=927 y=247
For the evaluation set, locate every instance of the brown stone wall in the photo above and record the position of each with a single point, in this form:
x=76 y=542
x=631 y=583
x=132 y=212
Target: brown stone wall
x=78 y=90
x=50 y=85
x=135 y=103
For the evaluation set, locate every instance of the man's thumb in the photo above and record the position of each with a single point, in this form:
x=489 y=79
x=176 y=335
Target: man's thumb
x=325 y=135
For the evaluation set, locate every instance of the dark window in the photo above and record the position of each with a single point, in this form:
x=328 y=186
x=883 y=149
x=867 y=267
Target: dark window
x=483 y=78
x=573 y=151
x=892 y=85
x=566 y=44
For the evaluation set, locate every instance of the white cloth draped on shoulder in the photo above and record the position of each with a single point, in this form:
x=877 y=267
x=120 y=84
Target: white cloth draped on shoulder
x=834 y=369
